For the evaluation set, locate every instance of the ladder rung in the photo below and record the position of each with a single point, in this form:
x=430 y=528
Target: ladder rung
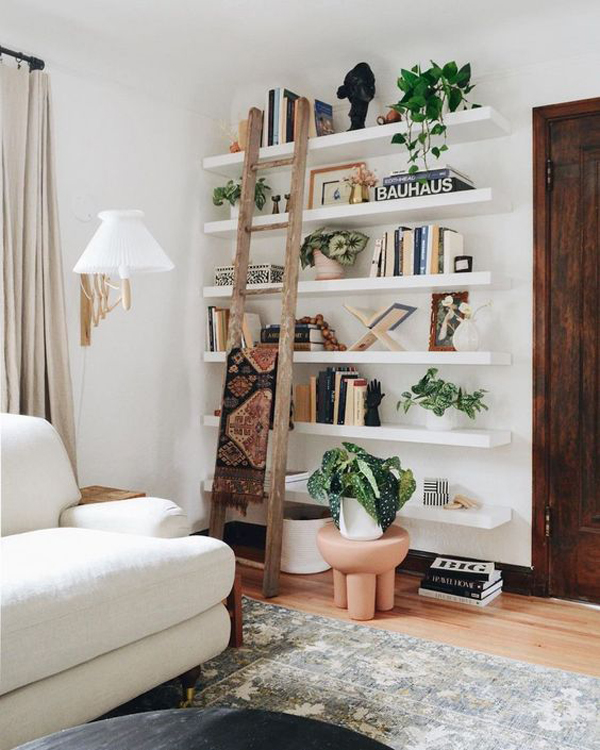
x=268 y=227
x=274 y=163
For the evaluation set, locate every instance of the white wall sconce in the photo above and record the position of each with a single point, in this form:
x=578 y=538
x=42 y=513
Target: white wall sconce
x=121 y=245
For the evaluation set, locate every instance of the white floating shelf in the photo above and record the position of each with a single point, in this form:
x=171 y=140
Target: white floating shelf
x=398 y=433
x=390 y=358
x=484 y=517
x=482 y=201
x=355 y=145
x=487 y=280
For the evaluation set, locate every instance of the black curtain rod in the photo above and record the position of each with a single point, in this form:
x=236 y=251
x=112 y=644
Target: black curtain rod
x=34 y=62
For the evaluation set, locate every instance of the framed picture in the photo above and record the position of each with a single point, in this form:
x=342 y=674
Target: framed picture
x=445 y=319
x=327 y=185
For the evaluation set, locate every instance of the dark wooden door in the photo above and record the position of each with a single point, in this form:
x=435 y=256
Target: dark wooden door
x=566 y=377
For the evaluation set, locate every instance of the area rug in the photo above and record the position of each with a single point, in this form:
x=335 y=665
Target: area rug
x=408 y=693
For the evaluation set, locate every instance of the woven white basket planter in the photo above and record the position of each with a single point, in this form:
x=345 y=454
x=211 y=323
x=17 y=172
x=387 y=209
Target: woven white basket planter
x=299 y=553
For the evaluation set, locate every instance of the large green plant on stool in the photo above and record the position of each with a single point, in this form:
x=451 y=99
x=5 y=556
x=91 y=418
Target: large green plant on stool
x=380 y=485
x=427 y=94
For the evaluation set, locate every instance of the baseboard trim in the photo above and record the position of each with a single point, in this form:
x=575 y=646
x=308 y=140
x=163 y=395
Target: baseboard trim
x=518 y=579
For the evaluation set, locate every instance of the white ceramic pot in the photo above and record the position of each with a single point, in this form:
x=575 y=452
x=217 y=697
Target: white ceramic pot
x=234 y=211
x=355 y=523
x=445 y=423
x=299 y=551
x=466 y=337
x=327 y=268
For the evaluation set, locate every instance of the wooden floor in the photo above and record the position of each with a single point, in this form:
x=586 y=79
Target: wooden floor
x=541 y=631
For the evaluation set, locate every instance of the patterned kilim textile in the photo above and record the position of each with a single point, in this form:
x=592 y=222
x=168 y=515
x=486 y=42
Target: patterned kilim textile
x=246 y=415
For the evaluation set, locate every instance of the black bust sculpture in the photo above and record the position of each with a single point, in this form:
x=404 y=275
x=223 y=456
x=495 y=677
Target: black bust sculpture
x=359 y=89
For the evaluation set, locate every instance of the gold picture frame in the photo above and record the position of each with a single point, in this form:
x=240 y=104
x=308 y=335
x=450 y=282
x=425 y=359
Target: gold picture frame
x=328 y=186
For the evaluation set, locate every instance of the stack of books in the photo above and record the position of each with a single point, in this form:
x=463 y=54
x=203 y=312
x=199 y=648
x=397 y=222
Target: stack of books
x=217 y=327
x=308 y=338
x=455 y=579
x=279 y=125
x=427 y=182
x=407 y=251
x=335 y=396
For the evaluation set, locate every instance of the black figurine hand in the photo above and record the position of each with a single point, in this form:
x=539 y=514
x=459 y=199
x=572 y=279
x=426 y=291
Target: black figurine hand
x=374 y=394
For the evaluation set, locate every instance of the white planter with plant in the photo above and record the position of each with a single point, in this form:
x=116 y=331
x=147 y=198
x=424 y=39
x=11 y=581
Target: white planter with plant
x=364 y=492
x=231 y=193
x=441 y=400
x=331 y=250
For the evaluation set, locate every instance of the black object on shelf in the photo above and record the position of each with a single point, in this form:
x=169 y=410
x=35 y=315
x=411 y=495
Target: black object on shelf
x=463 y=264
x=374 y=398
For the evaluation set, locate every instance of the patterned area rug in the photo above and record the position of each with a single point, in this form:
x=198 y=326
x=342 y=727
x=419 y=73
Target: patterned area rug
x=406 y=692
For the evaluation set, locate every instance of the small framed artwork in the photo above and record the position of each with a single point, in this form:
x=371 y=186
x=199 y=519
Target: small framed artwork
x=445 y=319
x=328 y=185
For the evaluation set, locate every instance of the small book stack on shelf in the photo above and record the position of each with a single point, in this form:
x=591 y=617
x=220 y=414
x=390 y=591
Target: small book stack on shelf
x=308 y=338
x=217 y=327
x=407 y=251
x=279 y=124
x=418 y=184
x=455 y=579
x=334 y=396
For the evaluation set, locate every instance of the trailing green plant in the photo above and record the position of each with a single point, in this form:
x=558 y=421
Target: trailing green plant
x=380 y=485
x=342 y=245
x=437 y=395
x=427 y=94
x=231 y=192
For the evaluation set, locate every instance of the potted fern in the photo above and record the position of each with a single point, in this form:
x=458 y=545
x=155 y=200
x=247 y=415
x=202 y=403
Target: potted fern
x=364 y=492
x=441 y=400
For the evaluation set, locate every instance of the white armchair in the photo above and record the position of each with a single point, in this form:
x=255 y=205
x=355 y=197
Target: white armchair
x=91 y=617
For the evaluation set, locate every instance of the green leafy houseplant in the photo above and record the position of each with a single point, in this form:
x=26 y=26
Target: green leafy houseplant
x=232 y=191
x=380 y=485
x=338 y=244
x=427 y=94
x=435 y=394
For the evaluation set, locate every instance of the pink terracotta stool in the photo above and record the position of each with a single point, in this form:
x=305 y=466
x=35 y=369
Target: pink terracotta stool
x=363 y=572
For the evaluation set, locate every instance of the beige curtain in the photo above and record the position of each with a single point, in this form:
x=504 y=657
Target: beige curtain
x=35 y=361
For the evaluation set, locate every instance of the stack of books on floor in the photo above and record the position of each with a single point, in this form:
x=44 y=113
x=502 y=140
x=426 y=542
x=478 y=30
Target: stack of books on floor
x=407 y=251
x=455 y=579
x=424 y=183
x=279 y=125
x=334 y=396
x=308 y=338
x=217 y=326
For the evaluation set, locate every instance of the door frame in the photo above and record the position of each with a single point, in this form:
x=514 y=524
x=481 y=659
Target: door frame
x=542 y=119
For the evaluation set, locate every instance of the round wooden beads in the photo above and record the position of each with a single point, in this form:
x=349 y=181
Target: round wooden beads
x=331 y=342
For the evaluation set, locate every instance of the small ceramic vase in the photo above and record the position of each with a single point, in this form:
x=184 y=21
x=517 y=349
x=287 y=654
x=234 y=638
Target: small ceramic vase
x=355 y=523
x=466 y=336
x=441 y=424
x=327 y=268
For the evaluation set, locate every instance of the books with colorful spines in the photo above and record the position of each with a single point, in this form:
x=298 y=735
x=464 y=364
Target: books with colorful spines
x=396 y=178
x=323 y=118
x=459 y=599
x=473 y=570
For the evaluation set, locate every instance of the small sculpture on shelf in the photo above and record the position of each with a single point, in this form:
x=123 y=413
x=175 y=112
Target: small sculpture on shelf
x=275 y=199
x=287 y=202
x=374 y=399
x=461 y=502
x=359 y=89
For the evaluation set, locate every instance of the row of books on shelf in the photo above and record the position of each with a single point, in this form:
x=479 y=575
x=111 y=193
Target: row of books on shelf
x=416 y=251
x=307 y=337
x=455 y=579
x=279 y=125
x=217 y=326
x=336 y=395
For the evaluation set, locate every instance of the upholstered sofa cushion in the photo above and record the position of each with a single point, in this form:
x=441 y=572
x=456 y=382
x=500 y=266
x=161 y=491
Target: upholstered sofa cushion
x=69 y=595
x=148 y=516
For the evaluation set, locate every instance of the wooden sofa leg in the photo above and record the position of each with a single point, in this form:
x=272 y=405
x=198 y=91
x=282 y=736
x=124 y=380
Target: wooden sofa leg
x=234 y=607
x=188 y=686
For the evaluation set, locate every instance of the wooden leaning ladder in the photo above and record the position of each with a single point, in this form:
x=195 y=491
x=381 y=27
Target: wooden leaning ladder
x=288 y=318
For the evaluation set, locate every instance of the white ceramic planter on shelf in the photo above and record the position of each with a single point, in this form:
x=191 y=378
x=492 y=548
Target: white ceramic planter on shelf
x=234 y=211
x=441 y=424
x=355 y=523
x=466 y=337
x=327 y=268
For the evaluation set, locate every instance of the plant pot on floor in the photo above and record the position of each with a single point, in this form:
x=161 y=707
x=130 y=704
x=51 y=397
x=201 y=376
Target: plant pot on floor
x=355 y=523
x=299 y=551
x=327 y=268
x=445 y=423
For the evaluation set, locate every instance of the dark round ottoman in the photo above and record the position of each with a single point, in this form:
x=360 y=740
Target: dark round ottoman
x=210 y=729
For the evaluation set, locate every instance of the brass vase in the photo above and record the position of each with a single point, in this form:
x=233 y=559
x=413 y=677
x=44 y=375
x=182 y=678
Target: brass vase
x=356 y=194
x=365 y=193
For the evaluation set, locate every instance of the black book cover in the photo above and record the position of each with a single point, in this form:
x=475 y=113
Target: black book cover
x=330 y=394
x=271 y=336
x=460 y=591
x=343 y=394
x=397 y=271
x=321 y=396
x=271 y=108
x=417 y=253
x=451 y=582
x=290 y=115
x=211 y=331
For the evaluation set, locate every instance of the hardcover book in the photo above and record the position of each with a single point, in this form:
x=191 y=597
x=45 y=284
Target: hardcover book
x=420 y=189
x=323 y=118
x=475 y=570
x=459 y=599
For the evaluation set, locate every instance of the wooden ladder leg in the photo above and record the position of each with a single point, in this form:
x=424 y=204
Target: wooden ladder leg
x=242 y=254
x=285 y=358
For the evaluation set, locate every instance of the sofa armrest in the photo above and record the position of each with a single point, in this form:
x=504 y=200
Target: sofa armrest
x=143 y=516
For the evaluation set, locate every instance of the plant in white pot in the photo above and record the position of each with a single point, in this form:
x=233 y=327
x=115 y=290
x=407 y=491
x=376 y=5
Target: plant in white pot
x=441 y=400
x=330 y=250
x=364 y=492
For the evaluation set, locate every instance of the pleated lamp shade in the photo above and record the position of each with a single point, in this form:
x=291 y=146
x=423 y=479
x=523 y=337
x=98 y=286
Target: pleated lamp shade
x=122 y=244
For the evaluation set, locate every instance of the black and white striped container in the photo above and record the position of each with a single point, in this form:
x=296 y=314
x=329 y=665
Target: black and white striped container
x=436 y=492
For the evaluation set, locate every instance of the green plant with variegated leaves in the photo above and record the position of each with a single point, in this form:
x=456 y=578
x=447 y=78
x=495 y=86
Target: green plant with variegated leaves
x=342 y=245
x=427 y=95
x=380 y=485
